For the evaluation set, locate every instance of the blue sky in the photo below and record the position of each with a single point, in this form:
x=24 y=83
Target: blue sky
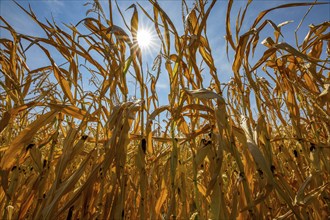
x=74 y=11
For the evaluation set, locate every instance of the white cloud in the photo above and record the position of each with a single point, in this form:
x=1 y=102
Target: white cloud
x=162 y=85
x=55 y=2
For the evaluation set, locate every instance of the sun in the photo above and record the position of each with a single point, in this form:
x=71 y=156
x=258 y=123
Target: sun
x=144 y=38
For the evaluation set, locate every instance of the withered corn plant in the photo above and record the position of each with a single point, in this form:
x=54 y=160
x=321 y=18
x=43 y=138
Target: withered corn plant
x=67 y=153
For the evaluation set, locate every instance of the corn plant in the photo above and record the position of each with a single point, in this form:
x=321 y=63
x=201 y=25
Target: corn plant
x=70 y=153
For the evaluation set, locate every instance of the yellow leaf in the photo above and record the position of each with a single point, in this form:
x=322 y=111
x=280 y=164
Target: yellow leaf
x=205 y=94
x=202 y=152
x=24 y=138
x=73 y=111
x=63 y=83
x=162 y=198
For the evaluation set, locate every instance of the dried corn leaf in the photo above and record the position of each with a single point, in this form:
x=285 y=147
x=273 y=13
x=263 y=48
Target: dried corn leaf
x=25 y=138
x=161 y=199
x=202 y=152
x=205 y=94
x=65 y=85
x=73 y=111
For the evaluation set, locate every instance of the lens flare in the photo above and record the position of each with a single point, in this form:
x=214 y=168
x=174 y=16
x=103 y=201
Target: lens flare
x=144 y=38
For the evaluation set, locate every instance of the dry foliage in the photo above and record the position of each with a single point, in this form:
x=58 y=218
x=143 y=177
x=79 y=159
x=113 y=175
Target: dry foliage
x=67 y=153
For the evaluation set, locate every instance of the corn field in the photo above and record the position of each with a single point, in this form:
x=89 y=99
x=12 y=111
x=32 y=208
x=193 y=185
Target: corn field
x=66 y=153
